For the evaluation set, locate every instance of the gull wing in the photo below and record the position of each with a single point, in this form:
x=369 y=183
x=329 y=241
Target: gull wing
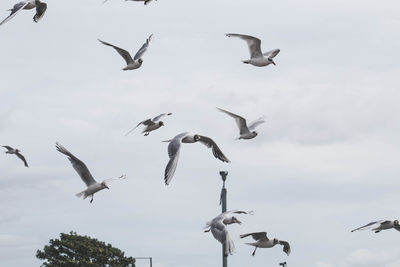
x=125 y=54
x=240 y=121
x=254 y=124
x=286 y=247
x=370 y=225
x=8 y=148
x=207 y=141
x=145 y=122
x=272 y=53
x=257 y=236
x=253 y=43
x=40 y=10
x=157 y=118
x=22 y=158
x=174 y=148
x=14 y=11
x=78 y=165
x=143 y=49
x=221 y=234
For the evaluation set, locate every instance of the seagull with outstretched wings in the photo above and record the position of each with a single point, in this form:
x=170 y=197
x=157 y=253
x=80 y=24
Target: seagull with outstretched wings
x=262 y=241
x=16 y=152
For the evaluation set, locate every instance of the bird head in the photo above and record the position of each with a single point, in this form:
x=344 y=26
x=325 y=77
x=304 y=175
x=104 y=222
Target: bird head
x=104 y=185
x=255 y=133
x=196 y=137
x=272 y=61
x=140 y=61
x=235 y=220
x=275 y=241
x=396 y=222
x=161 y=123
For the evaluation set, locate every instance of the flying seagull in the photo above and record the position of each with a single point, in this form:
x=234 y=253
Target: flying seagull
x=145 y=1
x=246 y=132
x=40 y=9
x=174 y=148
x=257 y=58
x=92 y=185
x=151 y=124
x=218 y=228
x=262 y=241
x=137 y=61
x=379 y=226
x=11 y=150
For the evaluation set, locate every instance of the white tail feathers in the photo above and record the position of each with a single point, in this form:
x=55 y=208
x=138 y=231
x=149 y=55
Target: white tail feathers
x=81 y=194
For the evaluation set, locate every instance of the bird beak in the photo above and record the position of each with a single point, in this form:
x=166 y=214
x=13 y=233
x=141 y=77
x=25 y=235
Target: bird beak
x=106 y=186
x=273 y=62
x=239 y=222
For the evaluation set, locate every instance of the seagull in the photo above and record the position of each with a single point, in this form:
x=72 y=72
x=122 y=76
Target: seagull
x=151 y=124
x=379 y=226
x=264 y=242
x=11 y=150
x=174 y=148
x=40 y=9
x=218 y=228
x=245 y=132
x=92 y=185
x=137 y=61
x=145 y=1
x=257 y=58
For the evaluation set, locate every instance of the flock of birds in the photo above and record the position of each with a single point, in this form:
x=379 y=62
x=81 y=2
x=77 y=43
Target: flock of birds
x=218 y=225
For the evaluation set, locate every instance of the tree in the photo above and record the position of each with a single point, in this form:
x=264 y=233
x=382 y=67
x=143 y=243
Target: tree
x=73 y=250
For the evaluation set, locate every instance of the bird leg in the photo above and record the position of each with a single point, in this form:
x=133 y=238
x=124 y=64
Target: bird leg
x=254 y=252
x=147 y=133
x=91 y=199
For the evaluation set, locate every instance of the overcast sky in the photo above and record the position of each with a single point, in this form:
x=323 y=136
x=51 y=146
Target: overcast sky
x=325 y=162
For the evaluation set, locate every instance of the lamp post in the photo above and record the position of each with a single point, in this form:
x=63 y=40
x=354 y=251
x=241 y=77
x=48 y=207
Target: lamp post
x=145 y=258
x=283 y=264
x=222 y=202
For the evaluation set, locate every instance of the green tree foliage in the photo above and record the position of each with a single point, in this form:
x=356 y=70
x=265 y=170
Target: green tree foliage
x=73 y=250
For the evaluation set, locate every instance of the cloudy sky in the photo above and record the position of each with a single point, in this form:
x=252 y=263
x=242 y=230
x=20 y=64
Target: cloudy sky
x=325 y=162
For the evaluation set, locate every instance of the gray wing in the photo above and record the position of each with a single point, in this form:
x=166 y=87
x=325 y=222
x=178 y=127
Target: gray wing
x=240 y=121
x=8 y=148
x=214 y=147
x=221 y=234
x=272 y=53
x=256 y=236
x=254 y=124
x=157 y=118
x=22 y=158
x=145 y=122
x=14 y=11
x=143 y=49
x=174 y=148
x=125 y=54
x=286 y=247
x=78 y=165
x=253 y=43
x=370 y=225
x=40 y=10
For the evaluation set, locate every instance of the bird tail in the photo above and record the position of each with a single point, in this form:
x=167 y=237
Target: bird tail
x=80 y=194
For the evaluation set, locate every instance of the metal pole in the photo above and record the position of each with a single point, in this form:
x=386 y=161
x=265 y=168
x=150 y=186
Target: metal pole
x=223 y=204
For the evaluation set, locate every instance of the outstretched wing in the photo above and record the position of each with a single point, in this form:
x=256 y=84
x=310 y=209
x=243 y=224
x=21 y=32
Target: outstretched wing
x=8 y=148
x=253 y=43
x=125 y=54
x=22 y=158
x=143 y=49
x=370 y=225
x=286 y=247
x=271 y=54
x=40 y=10
x=256 y=236
x=78 y=165
x=240 y=121
x=207 y=141
x=174 y=148
x=157 y=118
x=14 y=11
x=254 y=124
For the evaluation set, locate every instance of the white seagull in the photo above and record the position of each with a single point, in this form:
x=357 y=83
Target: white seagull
x=246 y=132
x=92 y=185
x=218 y=228
x=11 y=150
x=262 y=241
x=145 y=1
x=379 y=226
x=137 y=61
x=174 y=148
x=151 y=124
x=40 y=9
x=257 y=58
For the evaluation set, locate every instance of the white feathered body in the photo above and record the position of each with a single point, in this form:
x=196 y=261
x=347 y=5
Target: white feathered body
x=262 y=244
x=90 y=190
x=258 y=62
